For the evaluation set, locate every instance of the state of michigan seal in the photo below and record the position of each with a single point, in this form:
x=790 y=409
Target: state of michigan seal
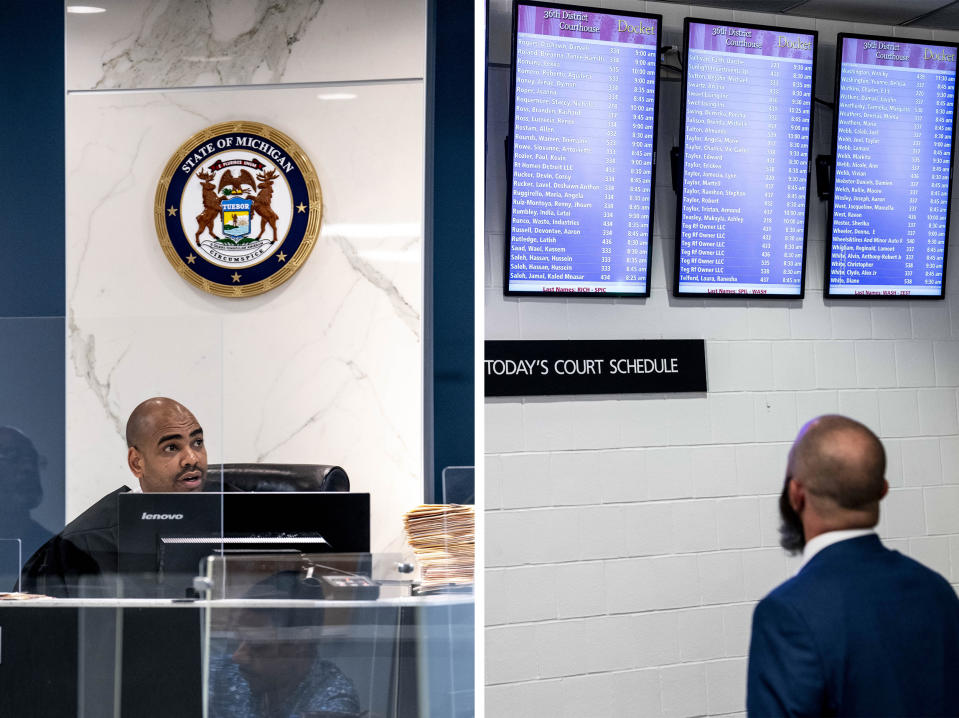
x=238 y=209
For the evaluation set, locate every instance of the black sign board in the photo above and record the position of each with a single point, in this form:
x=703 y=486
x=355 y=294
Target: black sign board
x=644 y=366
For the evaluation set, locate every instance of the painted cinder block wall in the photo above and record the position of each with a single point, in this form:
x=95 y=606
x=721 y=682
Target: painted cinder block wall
x=629 y=537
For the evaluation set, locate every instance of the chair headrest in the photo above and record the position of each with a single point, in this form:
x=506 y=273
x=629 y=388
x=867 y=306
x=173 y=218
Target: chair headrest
x=275 y=477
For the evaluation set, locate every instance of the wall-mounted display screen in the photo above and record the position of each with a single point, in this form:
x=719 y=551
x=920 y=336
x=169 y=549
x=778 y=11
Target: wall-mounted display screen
x=583 y=141
x=893 y=143
x=746 y=135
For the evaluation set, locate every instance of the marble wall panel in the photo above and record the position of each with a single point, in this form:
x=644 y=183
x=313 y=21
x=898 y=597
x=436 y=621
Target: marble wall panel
x=114 y=363
x=326 y=368
x=189 y=43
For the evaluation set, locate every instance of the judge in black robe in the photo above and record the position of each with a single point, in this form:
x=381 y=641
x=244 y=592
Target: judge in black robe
x=80 y=561
x=165 y=451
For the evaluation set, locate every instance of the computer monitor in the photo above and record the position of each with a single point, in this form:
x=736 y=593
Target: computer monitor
x=162 y=538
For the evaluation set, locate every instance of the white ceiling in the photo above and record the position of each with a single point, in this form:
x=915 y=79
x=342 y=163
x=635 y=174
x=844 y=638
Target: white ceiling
x=936 y=14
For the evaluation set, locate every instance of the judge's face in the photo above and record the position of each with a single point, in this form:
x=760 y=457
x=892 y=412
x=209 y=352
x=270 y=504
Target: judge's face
x=169 y=454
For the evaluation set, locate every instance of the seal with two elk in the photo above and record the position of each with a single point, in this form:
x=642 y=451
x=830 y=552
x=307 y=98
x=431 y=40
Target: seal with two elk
x=261 y=200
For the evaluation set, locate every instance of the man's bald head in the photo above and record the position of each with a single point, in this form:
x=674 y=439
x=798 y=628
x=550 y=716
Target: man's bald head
x=835 y=478
x=165 y=448
x=143 y=418
x=839 y=461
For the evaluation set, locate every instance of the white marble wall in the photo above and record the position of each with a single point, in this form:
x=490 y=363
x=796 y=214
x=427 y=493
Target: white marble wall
x=188 y=43
x=326 y=368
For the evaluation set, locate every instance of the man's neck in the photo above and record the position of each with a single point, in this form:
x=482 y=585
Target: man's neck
x=814 y=524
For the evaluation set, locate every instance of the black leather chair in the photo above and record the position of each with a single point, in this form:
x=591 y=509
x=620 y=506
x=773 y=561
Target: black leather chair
x=275 y=477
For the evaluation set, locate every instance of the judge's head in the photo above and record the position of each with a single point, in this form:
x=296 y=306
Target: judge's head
x=835 y=478
x=165 y=448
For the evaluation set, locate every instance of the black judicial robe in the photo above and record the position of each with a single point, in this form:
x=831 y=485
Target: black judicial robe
x=80 y=561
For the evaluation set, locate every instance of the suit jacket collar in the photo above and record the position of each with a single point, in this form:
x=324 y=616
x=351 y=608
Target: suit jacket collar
x=822 y=541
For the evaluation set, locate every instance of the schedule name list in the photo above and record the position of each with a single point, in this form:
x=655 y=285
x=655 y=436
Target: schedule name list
x=745 y=161
x=893 y=164
x=583 y=143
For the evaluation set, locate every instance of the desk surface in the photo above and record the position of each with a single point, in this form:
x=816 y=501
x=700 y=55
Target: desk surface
x=452 y=599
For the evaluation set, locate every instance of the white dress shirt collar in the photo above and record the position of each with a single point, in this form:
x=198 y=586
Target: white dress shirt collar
x=818 y=543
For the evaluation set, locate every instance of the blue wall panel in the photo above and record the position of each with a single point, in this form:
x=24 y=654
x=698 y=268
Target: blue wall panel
x=32 y=148
x=451 y=118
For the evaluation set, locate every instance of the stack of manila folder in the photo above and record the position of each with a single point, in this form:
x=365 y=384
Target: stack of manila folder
x=443 y=538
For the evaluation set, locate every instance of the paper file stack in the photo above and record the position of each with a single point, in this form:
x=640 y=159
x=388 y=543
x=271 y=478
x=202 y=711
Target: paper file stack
x=443 y=539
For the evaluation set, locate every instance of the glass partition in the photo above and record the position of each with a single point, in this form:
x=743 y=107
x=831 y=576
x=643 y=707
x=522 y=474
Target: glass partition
x=459 y=484
x=332 y=635
x=31 y=439
x=306 y=576
x=11 y=558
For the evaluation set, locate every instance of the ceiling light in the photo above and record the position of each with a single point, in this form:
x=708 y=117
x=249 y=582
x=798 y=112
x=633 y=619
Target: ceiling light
x=85 y=9
x=336 y=96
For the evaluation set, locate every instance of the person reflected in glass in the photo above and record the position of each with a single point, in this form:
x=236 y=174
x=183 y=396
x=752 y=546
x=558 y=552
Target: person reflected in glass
x=277 y=669
x=21 y=492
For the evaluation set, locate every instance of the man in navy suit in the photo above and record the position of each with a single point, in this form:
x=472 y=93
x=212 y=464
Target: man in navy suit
x=860 y=630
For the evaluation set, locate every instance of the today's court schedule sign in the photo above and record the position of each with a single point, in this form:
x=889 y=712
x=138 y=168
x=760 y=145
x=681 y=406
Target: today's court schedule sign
x=601 y=366
x=583 y=149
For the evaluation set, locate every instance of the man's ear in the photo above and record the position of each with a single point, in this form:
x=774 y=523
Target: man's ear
x=885 y=489
x=135 y=462
x=797 y=495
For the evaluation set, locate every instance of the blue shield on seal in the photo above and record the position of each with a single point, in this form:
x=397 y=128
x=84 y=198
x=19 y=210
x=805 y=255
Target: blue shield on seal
x=236 y=214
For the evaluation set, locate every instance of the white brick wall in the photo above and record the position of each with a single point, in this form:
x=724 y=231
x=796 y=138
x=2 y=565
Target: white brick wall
x=628 y=538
